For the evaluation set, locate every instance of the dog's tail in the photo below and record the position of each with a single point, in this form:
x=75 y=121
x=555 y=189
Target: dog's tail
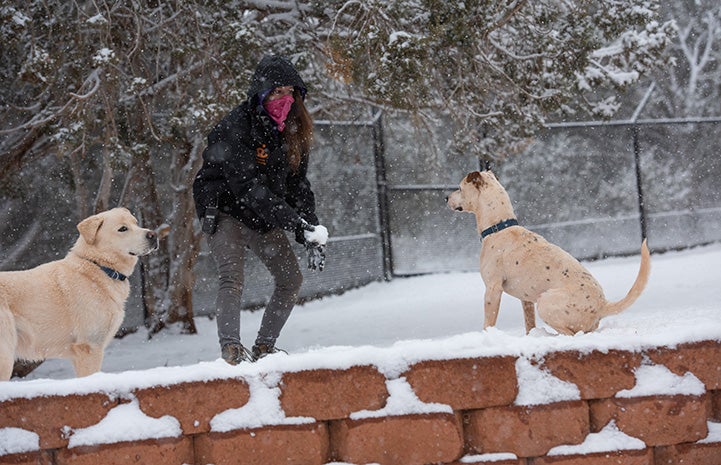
x=612 y=308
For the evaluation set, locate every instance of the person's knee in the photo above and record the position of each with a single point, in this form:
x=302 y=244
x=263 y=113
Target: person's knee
x=290 y=279
x=295 y=279
x=231 y=282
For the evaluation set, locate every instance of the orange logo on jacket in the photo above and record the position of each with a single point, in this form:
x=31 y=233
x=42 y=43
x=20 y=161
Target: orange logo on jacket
x=261 y=155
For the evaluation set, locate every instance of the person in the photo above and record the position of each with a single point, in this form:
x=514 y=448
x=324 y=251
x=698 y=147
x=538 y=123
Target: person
x=251 y=188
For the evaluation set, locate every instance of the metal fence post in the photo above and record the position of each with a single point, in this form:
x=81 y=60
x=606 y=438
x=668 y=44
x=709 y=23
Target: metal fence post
x=639 y=181
x=383 y=202
x=637 y=157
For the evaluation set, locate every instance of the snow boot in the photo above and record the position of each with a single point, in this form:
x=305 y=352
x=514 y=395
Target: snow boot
x=262 y=350
x=234 y=353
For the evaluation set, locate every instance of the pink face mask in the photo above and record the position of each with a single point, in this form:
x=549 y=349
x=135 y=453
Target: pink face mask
x=278 y=109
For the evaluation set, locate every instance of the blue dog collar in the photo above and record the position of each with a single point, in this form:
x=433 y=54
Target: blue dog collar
x=499 y=227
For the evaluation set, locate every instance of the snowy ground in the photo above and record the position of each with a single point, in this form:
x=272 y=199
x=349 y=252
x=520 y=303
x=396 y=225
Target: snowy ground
x=392 y=325
x=682 y=301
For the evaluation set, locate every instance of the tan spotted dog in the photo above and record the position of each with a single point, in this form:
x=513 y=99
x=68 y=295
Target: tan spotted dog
x=523 y=264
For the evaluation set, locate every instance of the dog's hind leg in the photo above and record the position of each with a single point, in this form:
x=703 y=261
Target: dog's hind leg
x=8 y=343
x=529 y=315
x=553 y=310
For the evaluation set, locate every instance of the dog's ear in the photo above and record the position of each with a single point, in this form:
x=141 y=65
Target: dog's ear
x=476 y=178
x=89 y=228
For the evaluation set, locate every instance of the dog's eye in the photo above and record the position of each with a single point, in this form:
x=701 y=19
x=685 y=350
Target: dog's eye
x=123 y=229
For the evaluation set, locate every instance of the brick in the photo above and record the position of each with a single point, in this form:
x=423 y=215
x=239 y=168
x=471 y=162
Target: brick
x=194 y=404
x=401 y=440
x=169 y=451
x=464 y=384
x=28 y=458
x=700 y=358
x=715 y=407
x=49 y=416
x=657 y=421
x=527 y=431
x=626 y=457
x=283 y=444
x=691 y=454
x=326 y=394
x=598 y=375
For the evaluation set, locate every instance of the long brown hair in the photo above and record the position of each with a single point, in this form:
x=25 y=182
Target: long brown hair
x=298 y=133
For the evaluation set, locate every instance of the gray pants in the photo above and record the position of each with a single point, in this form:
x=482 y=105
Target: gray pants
x=228 y=246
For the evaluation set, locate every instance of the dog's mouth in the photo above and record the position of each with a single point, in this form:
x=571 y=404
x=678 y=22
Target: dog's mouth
x=151 y=247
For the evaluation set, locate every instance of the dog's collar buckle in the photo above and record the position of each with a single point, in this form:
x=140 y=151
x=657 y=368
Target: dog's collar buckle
x=113 y=274
x=499 y=227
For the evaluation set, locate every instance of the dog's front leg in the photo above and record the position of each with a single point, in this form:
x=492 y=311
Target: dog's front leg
x=86 y=358
x=529 y=315
x=491 y=304
x=8 y=343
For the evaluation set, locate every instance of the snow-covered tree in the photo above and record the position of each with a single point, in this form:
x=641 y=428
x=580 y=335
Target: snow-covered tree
x=498 y=69
x=693 y=86
x=116 y=96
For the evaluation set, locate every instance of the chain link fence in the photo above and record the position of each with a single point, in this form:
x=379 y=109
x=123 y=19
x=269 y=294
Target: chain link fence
x=591 y=188
x=594 y=189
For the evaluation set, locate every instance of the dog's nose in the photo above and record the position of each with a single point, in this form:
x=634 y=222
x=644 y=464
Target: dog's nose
x=153 y=240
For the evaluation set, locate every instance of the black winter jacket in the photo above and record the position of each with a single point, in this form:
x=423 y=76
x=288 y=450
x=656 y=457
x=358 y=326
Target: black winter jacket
x=245 y=168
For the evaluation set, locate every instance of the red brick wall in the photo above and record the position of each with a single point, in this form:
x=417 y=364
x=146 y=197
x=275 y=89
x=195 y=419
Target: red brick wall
x=480 y=418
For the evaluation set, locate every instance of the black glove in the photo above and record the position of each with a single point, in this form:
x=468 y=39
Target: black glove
x=300 y=229
x=316 y=255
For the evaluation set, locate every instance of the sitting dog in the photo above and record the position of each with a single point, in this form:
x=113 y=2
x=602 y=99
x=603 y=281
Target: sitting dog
x=71 y=308
x=526 y=266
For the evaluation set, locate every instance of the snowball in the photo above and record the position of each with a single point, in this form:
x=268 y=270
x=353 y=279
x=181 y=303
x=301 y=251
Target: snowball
x=319 y=235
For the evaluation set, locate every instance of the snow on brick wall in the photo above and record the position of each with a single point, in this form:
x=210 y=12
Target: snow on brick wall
x=660 y=405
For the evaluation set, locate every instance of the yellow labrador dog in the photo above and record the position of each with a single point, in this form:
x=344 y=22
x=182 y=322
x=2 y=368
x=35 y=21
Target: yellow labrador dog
x=71 y=308
x=526 y=266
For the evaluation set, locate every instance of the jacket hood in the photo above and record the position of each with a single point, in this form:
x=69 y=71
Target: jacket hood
x=273 y=71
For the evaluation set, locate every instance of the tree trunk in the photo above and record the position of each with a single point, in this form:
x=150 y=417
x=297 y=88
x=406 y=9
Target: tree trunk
x=168 y=277
x=182 y=278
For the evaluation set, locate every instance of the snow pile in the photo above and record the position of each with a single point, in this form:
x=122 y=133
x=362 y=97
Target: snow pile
x=402 y=401
x=714 y=434
x=391 y=326
x=493 y=457
x=538 y=387
x=608 y=439
x=17 y=441
x=262 y=409
x=655 y=380
x=125 y=423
